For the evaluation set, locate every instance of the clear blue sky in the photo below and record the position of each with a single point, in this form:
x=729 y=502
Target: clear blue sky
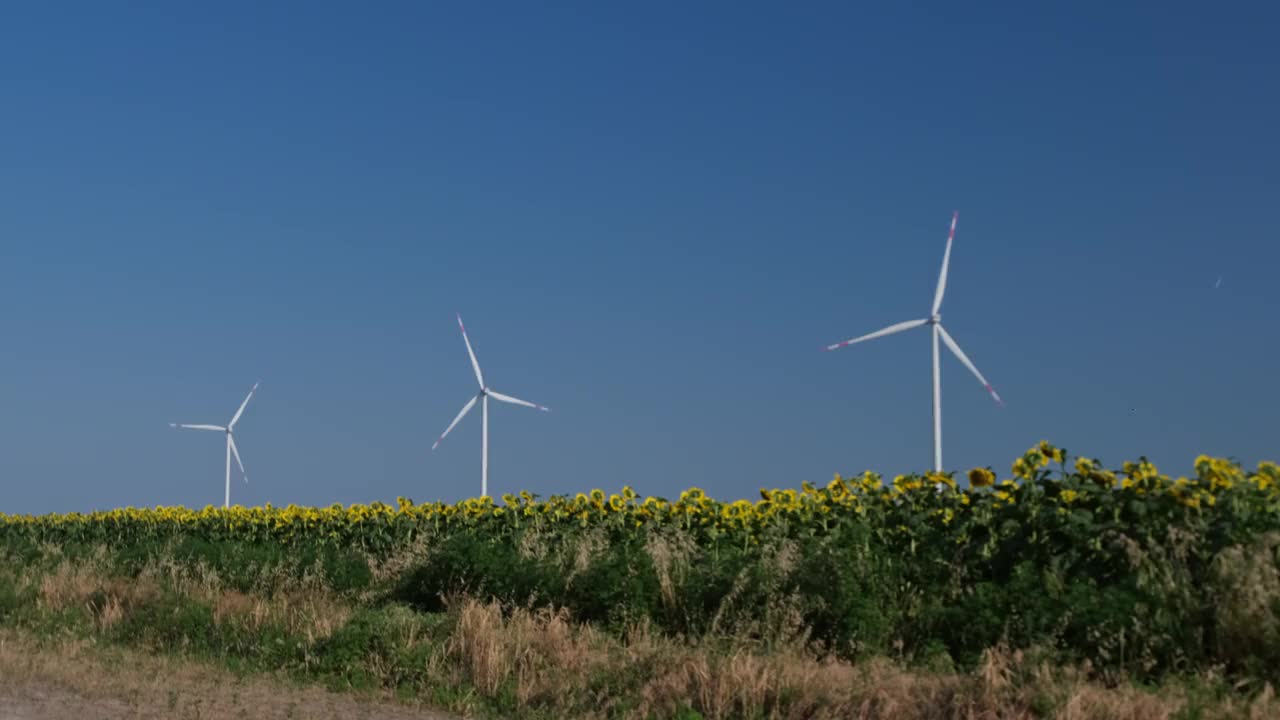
x=651 y=220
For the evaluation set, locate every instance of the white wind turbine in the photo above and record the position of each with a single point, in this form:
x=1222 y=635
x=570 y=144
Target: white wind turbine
x=229 y=431
x=939 y=332
x=483 y=396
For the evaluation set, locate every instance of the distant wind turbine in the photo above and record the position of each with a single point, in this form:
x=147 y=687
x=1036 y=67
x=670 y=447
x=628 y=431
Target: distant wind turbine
x=483 y=396
x=229 y=430
x=939 y=333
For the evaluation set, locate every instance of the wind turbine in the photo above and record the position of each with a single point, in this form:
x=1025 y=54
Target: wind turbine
x=483 y=396
x=939 y=333
x=229 y=431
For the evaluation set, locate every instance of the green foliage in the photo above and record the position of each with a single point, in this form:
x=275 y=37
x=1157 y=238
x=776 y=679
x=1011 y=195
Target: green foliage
x=379 y=637
x=1139 y=574
x=170 y=623
x=10 y=601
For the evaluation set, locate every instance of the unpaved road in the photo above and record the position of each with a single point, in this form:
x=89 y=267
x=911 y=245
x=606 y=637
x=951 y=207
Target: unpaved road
x=83 y=682
x=33 y=700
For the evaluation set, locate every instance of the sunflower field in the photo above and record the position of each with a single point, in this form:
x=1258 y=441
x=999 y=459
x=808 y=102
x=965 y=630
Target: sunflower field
x=1130 y=569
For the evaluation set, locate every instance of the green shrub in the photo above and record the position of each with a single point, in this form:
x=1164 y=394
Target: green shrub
x=170 y=623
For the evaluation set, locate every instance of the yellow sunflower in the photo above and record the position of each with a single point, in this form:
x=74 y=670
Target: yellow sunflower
x=981 y=477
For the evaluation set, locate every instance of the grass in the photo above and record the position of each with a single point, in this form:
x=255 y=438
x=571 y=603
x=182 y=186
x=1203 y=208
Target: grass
x=174 y=639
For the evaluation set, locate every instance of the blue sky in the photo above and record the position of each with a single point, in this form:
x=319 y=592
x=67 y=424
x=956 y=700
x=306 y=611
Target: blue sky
x=651 y=220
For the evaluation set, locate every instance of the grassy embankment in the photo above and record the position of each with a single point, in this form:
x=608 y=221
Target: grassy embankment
x=1075 y=594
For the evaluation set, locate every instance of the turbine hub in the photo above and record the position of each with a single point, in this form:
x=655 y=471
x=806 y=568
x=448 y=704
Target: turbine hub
x=935 y=319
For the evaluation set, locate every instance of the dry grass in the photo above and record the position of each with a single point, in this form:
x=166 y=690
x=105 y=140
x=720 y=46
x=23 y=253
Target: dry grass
x=304 y=607
x=395 y=565
x=1249 y=618
x=539 y=651
x=313 y=616
x=83 y=585
x=551 y=662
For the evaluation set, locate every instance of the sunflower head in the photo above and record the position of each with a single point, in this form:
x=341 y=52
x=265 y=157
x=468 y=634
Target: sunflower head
x=1049 y=453
x=1024 y=468
x=904 y=483
x=837 y=487
x=941 y=479
x=981 y=477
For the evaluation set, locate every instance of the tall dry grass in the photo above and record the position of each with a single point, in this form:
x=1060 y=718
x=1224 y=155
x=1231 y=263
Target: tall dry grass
x=552 y=663
x=302 y=606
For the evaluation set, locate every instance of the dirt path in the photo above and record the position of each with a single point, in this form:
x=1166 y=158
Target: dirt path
x=81 y=682
x=31 y=701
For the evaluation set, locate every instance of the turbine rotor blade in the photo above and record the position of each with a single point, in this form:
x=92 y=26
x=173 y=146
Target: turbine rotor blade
x=880 y=333
x=946 y=261
x=475 y=365
x=465 y=409
x=231 y=441
x=955 y=349
x=244 y=404
x=219 y=428
x=516 y=401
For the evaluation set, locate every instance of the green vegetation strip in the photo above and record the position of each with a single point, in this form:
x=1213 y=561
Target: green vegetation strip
x=1065 y=585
